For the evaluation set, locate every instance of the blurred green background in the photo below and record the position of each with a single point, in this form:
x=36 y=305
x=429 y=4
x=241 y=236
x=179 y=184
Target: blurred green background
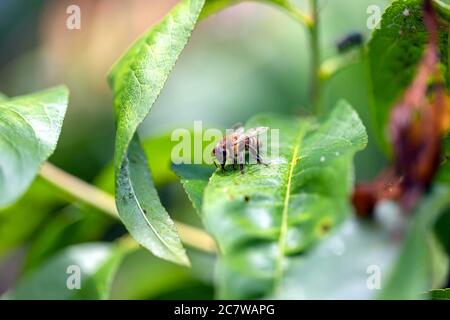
x=244 y=60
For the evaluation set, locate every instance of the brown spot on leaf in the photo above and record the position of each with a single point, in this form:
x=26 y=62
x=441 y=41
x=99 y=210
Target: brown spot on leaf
x=325 y=226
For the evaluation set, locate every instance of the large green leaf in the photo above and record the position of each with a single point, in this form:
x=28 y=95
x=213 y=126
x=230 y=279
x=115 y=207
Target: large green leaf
x=137 y=80
x=97 y=263
x=29 y=130
x=270 y=214
x=141 y=210
x=394 y=52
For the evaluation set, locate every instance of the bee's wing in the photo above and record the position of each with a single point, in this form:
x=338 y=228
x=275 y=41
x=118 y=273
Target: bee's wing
x=238 y=126
x=253 y=132
x=238 y=129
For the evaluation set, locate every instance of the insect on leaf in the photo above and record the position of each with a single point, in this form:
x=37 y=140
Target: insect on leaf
x=263 y=218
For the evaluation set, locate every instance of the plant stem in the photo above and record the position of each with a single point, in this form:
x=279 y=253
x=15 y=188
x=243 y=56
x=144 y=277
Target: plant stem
x=316 y=83
x=296 y=13
x=88 y=194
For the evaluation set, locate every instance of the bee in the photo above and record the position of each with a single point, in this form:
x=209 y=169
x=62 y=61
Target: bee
x=235 y=145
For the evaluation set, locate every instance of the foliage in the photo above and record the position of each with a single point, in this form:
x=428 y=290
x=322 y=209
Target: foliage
x=440 y=294
x=284 y=229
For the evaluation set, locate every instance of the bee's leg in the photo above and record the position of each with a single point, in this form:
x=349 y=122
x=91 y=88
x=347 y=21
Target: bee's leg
x=224 y=160
x=259 y=160
x=241 y=161
x=215 y=164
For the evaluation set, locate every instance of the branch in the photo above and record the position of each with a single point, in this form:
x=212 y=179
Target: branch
x=85 y=192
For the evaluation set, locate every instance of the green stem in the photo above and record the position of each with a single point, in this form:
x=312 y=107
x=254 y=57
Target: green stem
x=330 y=67
x=296 y=13
x=316 y=82
x=103 y=201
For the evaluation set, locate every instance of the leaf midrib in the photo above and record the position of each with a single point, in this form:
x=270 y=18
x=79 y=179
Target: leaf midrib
x=149 y=223
x=284 y=218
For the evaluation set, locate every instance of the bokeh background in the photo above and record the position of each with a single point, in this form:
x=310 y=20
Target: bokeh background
x=249 y=58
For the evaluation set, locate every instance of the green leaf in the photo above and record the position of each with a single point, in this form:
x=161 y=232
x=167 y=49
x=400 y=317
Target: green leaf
x=139 y=76
x=270 y=214
x=29 y=131
x=97 y=263
x=194 y=178
x=394 y=52
x=440 y=294
x=136 y=80
x=141 y=210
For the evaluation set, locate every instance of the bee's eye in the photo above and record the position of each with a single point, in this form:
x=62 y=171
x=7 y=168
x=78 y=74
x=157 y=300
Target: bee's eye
x=214 y=151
